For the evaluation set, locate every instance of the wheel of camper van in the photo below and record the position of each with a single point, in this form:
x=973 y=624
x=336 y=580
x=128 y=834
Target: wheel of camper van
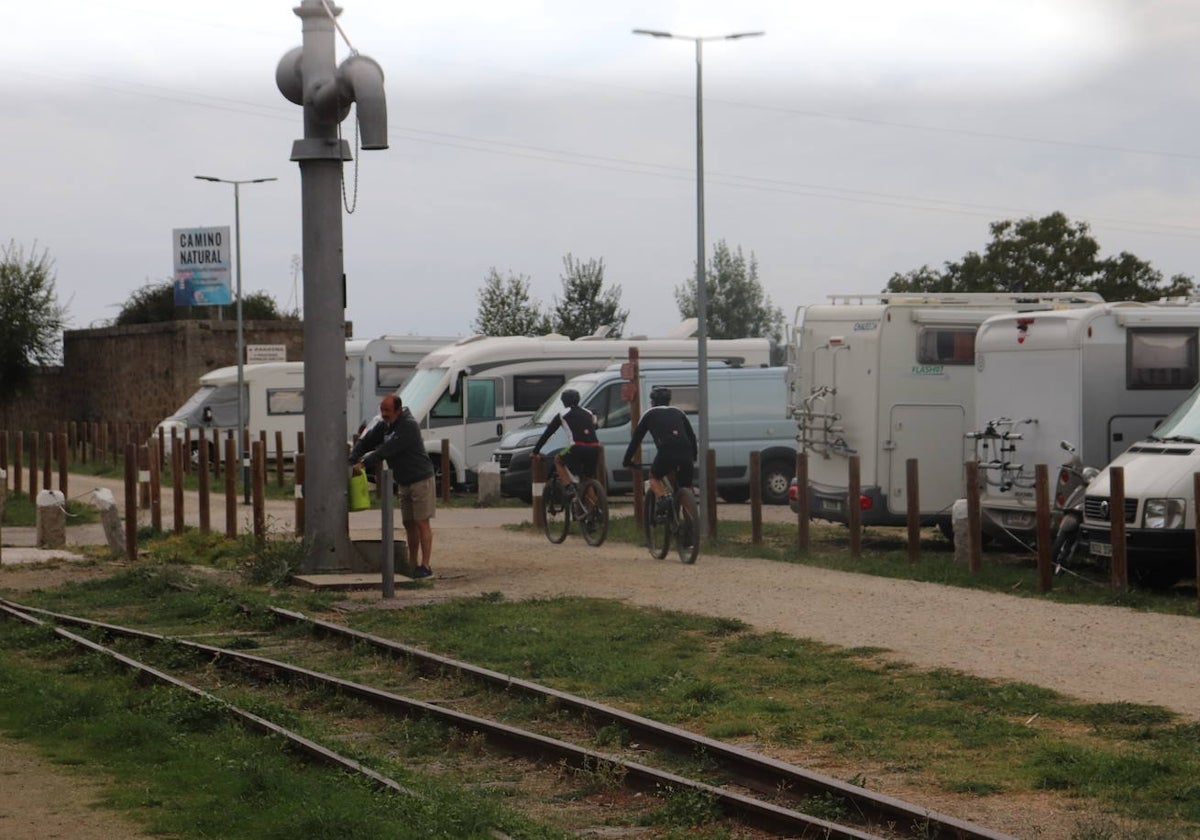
x=594 y=522
x=776 y=475
x=556 y=510
x=658 y=529
x=687 y=526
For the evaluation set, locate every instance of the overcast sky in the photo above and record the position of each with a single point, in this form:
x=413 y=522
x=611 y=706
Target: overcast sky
x=856 y=139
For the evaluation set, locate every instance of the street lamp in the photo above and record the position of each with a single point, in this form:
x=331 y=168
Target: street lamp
x=241 y=340
x=701 y=282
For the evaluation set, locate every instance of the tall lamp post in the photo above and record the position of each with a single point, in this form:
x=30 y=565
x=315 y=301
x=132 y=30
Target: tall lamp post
x=241 y=339
x=701 y=281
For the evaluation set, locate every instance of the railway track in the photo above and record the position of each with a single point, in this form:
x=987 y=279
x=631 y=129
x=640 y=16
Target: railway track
x=756 y=791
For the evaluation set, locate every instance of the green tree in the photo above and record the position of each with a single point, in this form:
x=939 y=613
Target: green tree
x=505 y=307
x=586 y=305
x=738 y=307
x=31 y=319
x=1050 y=254
x=154 y=303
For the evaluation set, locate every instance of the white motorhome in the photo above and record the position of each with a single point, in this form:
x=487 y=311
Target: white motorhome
x=273 y=401
x=471 y=393
x=376 y=367
x=891 y=377
x=1100 y=377
x=747 y=412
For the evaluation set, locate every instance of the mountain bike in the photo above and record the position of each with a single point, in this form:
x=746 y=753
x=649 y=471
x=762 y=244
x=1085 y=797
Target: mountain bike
x=582 y=500
x=677 y=520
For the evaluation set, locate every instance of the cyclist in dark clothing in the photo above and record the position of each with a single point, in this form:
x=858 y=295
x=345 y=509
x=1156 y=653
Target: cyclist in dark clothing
x=674 y=440
x=581 y=454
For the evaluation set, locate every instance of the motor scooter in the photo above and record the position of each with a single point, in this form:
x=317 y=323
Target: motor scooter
x=1069 y=492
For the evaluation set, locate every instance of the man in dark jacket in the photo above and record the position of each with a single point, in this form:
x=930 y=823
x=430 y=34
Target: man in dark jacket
x=397 y=440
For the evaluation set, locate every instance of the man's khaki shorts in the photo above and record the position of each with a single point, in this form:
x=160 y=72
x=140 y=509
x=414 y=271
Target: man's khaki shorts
x=418 y=500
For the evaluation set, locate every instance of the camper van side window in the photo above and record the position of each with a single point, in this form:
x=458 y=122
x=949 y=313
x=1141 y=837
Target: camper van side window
x=610 y=410
x=389 y=378
x=529 y=392
x=1162 y=358
x=686 y=398
x=946 y=346
x=481 y=399
x=285 y=401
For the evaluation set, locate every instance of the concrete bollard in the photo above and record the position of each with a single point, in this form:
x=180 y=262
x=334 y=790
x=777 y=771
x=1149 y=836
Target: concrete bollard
x=489 y=483
x=958 y=518
x=110 y=518
x=51 y=519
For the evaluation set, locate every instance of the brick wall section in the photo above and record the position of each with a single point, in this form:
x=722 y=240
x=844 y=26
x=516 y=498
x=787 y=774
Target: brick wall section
x=139 y=373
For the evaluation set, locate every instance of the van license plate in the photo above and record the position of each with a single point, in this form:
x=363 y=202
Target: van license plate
x=833 y=505
x=1099 y=549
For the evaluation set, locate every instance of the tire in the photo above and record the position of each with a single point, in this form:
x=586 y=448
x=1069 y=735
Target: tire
x=194 y=455
x=735 y=495
x=556 y=511
x=658 y=534
x=594 y=523
x=687 y=527
x=776 y=476
x=1062 y=550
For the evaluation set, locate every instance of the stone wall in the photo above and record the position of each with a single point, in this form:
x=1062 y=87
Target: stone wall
x=139 y=373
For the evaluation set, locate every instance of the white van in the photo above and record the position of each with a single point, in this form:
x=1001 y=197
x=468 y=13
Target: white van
x=747 y=412
x=1100 y=377
x=273 y=401
x=1159 y=510
x=376 y=367
x=472 y=392
x=888 y=378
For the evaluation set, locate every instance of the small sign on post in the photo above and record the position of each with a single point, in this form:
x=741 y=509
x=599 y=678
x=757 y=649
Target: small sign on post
x=258 y=353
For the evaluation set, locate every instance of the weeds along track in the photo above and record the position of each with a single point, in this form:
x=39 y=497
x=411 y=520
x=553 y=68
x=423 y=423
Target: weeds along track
x=457 y=711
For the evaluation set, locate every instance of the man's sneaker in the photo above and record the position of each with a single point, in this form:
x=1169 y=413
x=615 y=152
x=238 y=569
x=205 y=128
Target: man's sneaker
x=422 y=572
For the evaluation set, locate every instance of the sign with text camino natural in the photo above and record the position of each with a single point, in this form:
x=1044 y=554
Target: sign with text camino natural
x=202 y=266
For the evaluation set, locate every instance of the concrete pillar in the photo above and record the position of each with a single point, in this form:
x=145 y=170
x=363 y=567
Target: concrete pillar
x=110 y=518
x=489 y=483
x=51 y=519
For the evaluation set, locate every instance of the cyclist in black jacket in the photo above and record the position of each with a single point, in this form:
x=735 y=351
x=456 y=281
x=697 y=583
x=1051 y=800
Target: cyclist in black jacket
x=581 y=454
x=674 y=440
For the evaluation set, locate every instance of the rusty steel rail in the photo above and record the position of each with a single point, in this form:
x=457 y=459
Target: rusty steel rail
x=746 y=809
x=751 y=770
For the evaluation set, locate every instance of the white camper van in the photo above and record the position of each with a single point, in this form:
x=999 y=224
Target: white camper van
x=887 y=378
x=273 y=401
x=376 y=367
x=747 y=412
x=472 y=392
x=1100 y=377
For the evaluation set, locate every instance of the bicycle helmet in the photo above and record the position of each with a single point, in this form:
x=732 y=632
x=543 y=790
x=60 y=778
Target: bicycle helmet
x=660 y=395
x=570 y=398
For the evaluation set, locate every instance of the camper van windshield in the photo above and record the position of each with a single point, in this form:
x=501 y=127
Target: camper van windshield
x=222 y=399
x=1183 y=422
x=422 y=388
x=553 y=405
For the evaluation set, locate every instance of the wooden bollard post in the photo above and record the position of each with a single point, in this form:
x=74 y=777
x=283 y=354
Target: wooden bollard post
x=1196 y=518
x=131 y=502
x=102 y=456
x=177 y=460
x=162 y=448
x=73 y=440
x=1041 y=480
x=711 y=463
x=974 y=534
x=1116 y=518
x=62 y=464
x=756 y=497
x=230 y=487
x=298 y=480
x=278 y=459
x=300 y=442
x=803 y=532
x=853 y=508
x=538 y=473
x=18 y=454
x=187 y=447
x=912 y=479
x=33 y=464
x=4 y=455
x=202 y=477
x=258 y=478
x=445 y=469
x=144 y=455
x=48 y=461
x=154 y=459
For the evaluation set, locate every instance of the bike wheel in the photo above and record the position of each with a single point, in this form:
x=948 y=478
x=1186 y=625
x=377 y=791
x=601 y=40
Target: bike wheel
x=556 y=511
x=1062 y=552
x=658 y=534
x=594 y=522
x=687 y=526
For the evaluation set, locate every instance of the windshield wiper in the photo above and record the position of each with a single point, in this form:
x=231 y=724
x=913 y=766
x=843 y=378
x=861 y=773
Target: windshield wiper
x=1179 y=439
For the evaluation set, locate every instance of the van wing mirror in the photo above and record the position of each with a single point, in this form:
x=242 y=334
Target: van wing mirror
x=207 y=414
